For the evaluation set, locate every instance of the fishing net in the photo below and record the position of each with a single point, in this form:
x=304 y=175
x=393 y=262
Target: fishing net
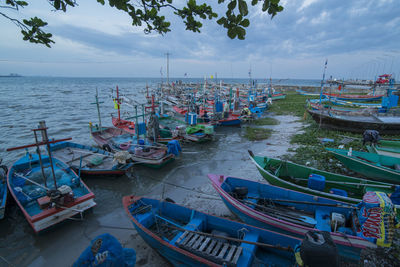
x=96 y=160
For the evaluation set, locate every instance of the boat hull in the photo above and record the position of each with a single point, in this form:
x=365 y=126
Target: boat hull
x=71 y=153
x=198 y=221
x=43 y=218
x=349 y=246
x=373 y=169
x=340 y=123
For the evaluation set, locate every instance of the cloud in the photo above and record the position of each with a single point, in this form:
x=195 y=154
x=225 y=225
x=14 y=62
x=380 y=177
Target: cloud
x=304 y=34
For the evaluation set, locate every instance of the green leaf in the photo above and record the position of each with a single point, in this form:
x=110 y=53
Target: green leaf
x=232 y=5
x=232 y=33
x=245 y=23
x=21 y=3
x=57 y=4
x=243 y=8
x=241 y=33
x=221 y=21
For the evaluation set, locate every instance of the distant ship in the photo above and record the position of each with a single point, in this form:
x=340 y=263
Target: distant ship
x=11 y=75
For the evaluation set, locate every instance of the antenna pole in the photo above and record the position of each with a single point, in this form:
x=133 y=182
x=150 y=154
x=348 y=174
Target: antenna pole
x=322 y=82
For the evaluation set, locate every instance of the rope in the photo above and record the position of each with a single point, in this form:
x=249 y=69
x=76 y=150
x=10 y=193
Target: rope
x=6 y=261
x=185 y=188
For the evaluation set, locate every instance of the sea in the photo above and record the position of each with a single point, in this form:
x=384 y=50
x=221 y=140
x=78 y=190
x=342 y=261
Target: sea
x=67 y=105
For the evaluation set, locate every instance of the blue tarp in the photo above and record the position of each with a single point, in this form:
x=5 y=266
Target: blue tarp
x=105 y=250
x=174 y=147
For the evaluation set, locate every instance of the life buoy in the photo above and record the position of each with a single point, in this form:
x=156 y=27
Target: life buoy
x=125 y=146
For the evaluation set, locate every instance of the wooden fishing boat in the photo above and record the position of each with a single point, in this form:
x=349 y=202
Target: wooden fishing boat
x=384 y=123
x=46 y=189
x=186 y=237
x=46 y=203
x=127 y=126
x=386 y=148
x=231 y=120
x=278 y=96
x=355 y=97
x=295 y=213
x=141 y=151
x=3 y=189
x=177 y=129
x=95 y=161
x=302 y=92
x=375 y=166
x=296 y=177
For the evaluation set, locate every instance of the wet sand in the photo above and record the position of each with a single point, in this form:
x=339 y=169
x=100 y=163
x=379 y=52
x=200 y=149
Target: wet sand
x=185 y=181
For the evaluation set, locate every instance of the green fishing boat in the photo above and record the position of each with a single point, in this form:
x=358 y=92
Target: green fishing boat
x=171 y=127
x=301 y=178
x=375 y=166
x=386 y=148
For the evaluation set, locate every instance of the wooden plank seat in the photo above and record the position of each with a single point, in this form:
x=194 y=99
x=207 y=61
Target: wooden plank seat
x=213 y=249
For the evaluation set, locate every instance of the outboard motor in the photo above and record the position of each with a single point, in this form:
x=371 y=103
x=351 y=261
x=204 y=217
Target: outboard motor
x=63 y=195
x=317 y=249
x=371 y=136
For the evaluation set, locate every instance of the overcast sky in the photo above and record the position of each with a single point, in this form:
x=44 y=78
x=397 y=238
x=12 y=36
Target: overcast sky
x=360 y=39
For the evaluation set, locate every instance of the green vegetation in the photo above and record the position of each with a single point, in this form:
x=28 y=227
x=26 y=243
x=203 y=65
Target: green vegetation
x=266 y=121
x=293 y=104
x=150 y=14
x=311 y=147
x=254 y=134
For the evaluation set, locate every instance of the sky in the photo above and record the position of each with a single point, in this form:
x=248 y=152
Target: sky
x=359 y=38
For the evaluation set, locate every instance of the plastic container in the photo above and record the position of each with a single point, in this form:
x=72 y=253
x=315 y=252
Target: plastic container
x=316 y=182
x=339 y=192
x=219 y=106
x=192 y=118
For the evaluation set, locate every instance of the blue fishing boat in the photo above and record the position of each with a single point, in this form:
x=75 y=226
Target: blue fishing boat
x=141 y=151
x=186 y=237
x=46 y=189
x=295 y=213
x=46 y=203
x=3 y=189
x=88 y=160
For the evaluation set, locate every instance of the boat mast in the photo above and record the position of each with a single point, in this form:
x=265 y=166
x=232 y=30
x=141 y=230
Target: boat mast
x=98 y=109
x=118 y=103
x=322 y=82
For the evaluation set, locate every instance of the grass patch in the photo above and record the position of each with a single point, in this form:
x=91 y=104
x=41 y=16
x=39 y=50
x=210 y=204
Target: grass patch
x=266 y=121
x=254 y=134
x=293 y=104
x=312 y=150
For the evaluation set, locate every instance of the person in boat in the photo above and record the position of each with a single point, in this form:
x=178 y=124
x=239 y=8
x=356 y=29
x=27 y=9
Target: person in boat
x=153 y=127
x=226 y=110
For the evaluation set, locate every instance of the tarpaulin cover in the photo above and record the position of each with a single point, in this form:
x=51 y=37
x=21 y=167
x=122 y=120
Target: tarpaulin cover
x=376 y=218
x=105 y=250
